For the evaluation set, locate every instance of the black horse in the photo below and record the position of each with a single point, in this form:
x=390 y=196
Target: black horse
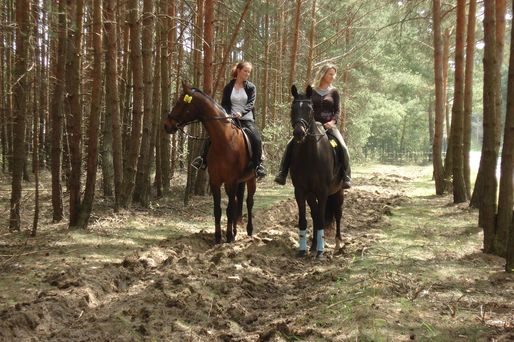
x=316 y=174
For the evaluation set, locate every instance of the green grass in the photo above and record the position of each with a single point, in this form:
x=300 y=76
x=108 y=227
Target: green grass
x=423 y=260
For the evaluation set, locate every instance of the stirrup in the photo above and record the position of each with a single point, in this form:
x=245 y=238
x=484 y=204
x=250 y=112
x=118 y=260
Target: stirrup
x=198 y=163
x=260 y=171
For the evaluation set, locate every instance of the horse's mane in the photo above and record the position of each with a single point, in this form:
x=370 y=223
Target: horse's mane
x=216 y=104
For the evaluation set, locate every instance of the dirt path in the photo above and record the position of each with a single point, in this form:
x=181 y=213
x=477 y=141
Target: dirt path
x=187 y=289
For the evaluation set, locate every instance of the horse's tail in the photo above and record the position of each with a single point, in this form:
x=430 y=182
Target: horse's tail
x=333 y=209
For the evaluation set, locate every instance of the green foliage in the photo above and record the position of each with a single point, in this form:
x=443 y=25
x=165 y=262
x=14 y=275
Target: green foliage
x=275 y=137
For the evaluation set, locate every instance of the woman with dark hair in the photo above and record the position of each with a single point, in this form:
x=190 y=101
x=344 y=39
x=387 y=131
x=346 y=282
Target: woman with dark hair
x=326 y=107
x=239 y=101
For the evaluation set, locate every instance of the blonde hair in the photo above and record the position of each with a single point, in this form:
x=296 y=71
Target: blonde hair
x=321 y=73
x=238 y=67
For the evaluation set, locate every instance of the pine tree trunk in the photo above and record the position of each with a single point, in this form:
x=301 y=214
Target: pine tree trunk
x=94 y=118
x=267 y=60
x=487 y=168
x=439 y=100
x=3 y=96
x=57 y=115
x=19 y=110
x=157 y=127
x=312 y=34
x=142 y=189
x=112 y=95
x=134 y=144
x=165 y=102
x=200 y=183
x=74 y=121
x=468 y=93
x=504 y=239
x=195 y=129
x=459 y=187
x=448 y=159
x=294 y=47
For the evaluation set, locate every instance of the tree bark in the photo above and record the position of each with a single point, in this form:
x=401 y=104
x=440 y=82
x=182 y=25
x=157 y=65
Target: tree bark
x=112 y=95
x=74 y=120
x=485 y=190
x=294 y=48
x=200 y=183
x=439 y=100
x=134 y=145
x=165 y=102
x=459 y=187
x=57 y=115
x=468 y=94
x=94 y=118
x=19 y=109
x=142 y=189
x=505 y=203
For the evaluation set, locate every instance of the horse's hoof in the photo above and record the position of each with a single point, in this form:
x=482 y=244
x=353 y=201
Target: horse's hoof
x=302 y=254
x=217 y=241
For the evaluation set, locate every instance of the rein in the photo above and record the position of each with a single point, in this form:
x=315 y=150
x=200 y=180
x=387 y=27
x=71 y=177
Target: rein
x=195 y=137
x=188 y=98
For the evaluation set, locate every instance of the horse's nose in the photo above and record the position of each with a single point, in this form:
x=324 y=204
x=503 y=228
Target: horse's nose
x=169 y=127
x=299 y=132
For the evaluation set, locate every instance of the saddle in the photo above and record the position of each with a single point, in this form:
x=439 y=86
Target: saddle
x=337 y=151
x=248 y=143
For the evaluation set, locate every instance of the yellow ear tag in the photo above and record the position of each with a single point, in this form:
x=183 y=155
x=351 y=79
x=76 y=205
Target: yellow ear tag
x=188 y=98
x=333 y=143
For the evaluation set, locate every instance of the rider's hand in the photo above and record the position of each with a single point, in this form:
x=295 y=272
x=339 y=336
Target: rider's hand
x=237 y=115
x=329 y=124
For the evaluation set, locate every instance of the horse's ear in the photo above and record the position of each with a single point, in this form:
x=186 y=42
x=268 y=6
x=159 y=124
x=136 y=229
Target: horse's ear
x=294 y=91
x=186 y=87
x=308 y=91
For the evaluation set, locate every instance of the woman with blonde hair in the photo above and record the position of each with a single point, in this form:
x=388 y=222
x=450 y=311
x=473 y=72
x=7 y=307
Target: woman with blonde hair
x=326 y=107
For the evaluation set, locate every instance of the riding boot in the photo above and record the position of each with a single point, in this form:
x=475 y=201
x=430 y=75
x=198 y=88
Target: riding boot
x=347 y=171
x=200 y=162
x=260 y=171
x=284 y=164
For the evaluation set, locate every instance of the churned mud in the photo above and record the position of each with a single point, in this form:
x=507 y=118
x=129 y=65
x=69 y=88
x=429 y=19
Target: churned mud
x=186 y=288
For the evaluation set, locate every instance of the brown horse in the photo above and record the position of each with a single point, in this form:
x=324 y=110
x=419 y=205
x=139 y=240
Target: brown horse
x=228 y=158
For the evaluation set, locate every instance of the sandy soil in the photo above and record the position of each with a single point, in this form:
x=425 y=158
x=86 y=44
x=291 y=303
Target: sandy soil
x=188 y=289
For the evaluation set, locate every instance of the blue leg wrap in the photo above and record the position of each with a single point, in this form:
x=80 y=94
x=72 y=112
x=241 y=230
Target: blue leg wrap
x=303 y=239
x=321 y=240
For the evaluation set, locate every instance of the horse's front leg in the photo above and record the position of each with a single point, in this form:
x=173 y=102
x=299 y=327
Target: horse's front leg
x=231 y=212
x=251 y=185
x=302 y=222
x=216 y=195
x=318 y=206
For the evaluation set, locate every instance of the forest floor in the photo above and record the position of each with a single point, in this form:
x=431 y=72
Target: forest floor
x=411 y=269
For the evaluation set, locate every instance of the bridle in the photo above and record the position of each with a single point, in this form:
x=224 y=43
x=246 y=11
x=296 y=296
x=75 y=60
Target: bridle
x=306 y=125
